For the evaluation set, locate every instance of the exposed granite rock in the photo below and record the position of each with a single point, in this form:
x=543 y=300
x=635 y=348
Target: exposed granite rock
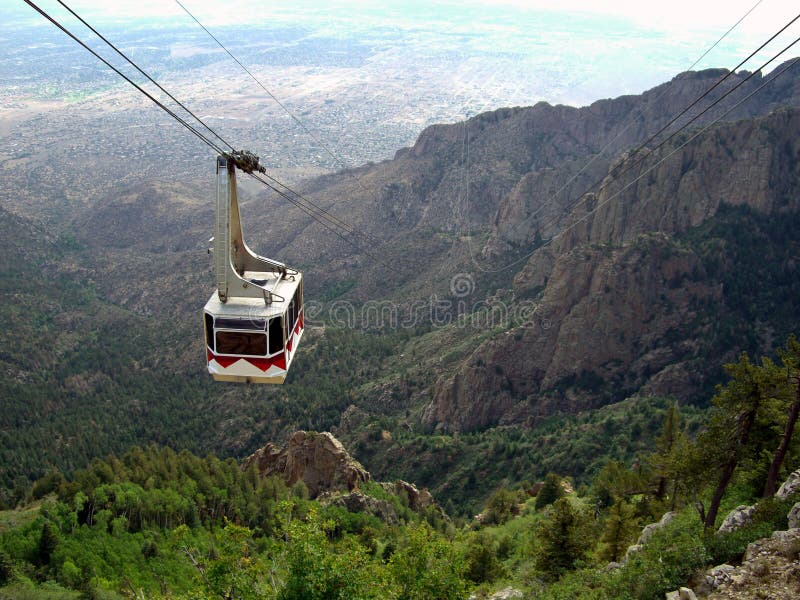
x=317 y=459
x=417 y=499
x=615 y=293
x=718 y=575
x=630 y=552
x=738 y=517
x=504 y=594
x=358 y=502
x=770 y=569
x=793 y=518
x=646 y=534
x=790 y=486
x=650 y=529
x=685 y=593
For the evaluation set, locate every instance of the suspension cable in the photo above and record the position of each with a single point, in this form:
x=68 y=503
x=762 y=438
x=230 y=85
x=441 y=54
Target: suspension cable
x=638 y=161
x=125 y=77
x=296 y=119
x=135 y=66
x=772 y=77
x=310 y=208
x=632 y=121
x=615 y=176
x=730 y=73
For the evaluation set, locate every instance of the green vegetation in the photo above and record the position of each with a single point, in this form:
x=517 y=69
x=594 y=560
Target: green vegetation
x=158 y=523
x=463 y=470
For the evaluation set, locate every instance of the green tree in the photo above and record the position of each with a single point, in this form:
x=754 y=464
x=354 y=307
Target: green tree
x=551 y=491
x=725 y=442
x=621 y=529
x=6 y=568
x=673 y=460
x=481 y=558
x=315 y=570
x=426 y=567
x=616 y=482
x=48 y=541
x=560 y=543
x=501 y=506
x=665 y=444
x=789 y=393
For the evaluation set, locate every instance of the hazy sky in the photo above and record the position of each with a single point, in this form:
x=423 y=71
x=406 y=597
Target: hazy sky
x=674 y=15
x=625 y=46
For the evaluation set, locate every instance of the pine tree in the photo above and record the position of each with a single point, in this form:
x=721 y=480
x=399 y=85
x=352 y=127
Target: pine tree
x=723 y=445
x=790 y=377
x=551 y=491
x=559 y=541
x=665 y=444
x=47 y=544
x=6 y=568
x=621 y=529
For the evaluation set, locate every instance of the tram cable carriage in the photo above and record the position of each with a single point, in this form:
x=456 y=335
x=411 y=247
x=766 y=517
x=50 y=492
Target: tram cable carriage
x=254 y=320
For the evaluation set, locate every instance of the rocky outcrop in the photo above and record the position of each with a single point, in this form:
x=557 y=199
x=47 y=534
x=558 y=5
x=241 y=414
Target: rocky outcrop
x=681 y=594
x=617 y=298
x=650 y=529
x=417 y=499
x=317 y=459
x=790 y=486
x=646 y=534
x=356 y=502
x=507 y=594
x=718 y=576
x=770 y=569
x=793 y=518
x=738 y=517
x=607 y=314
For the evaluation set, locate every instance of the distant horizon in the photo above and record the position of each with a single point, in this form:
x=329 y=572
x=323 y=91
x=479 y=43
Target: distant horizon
x=615 y=47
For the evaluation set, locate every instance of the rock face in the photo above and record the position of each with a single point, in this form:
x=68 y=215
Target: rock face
x=357 y=502
x=793 y=518
x=417 y=499
x=615 y=293
x=790 y=486
x=770 y=569
x=317 y=459
x=718 y=576
x=646 y=534
x=738 y=517
x=650 y=529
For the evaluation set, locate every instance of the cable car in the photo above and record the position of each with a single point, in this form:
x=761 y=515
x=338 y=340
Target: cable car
x=254 y=320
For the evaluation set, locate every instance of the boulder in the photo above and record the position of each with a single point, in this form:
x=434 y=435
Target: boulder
x=790 y=486
x=317 y=459
x=355 y=502
x=685 y=593
x=794 y=516
x=650 y=529
x=718 y=575
x=738 y=517
x=506 y=594
x=770 y=569
x=647 y=533
x=417 y=499
x=631 y=551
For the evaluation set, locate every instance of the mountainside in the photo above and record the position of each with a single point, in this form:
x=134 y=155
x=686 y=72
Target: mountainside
x=636 y=289
x=632 y=303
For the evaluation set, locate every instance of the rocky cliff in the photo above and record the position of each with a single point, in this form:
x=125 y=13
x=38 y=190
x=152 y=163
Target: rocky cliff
x=317 y=459
x=622 y=300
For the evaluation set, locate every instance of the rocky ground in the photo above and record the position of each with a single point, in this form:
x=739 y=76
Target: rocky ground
x=770 y=569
